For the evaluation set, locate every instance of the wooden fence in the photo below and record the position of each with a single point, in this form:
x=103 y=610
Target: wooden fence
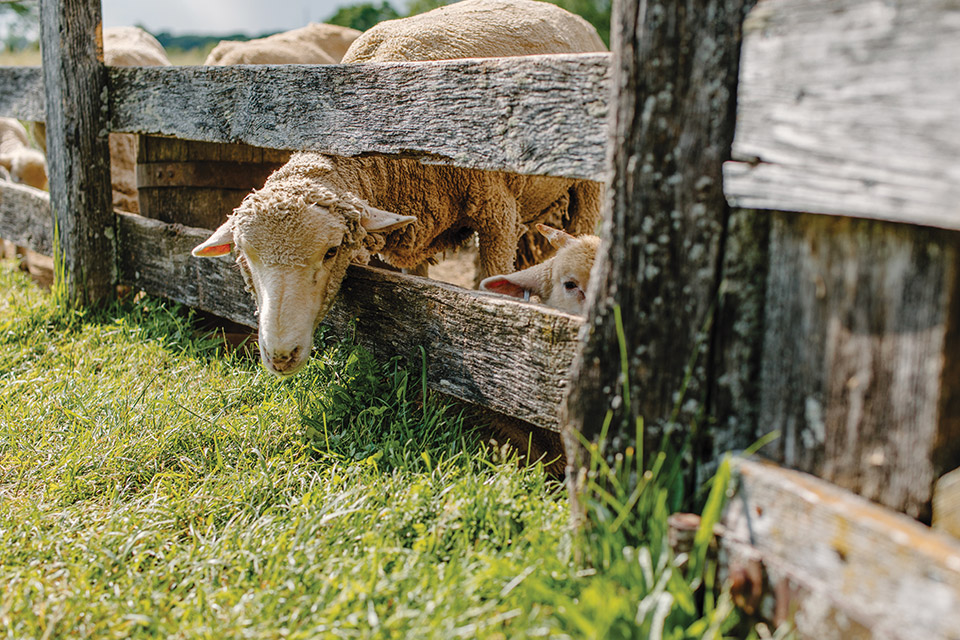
x=840 y=331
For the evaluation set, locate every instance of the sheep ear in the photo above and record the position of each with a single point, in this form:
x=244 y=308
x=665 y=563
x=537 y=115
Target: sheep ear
x=521 y=284
x=218 y=244
x=556 y=237
x=373 y=219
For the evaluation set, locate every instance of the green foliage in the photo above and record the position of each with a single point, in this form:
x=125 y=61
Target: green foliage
x=415 y=7
x=596 y=12
x=154 y=485
x=190 y=41
x=363 y=16
x=21 y=22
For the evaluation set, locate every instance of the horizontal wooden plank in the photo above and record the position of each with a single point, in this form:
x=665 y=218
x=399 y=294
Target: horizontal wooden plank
x=485 y=349
x=536 y=115
x=843 y=567
x=25 y=217
x=21 y=93
x=849 y=107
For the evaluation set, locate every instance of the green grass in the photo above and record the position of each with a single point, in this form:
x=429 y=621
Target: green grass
x=153 y=485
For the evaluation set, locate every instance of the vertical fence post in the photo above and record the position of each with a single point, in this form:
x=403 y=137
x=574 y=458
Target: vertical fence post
x=672 y=119
x=78 y=157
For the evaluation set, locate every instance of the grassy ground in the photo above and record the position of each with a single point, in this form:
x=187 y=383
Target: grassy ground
x=152 y=485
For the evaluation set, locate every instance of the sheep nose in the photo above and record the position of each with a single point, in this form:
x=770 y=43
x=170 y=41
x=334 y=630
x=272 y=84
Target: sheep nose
x=283 y=361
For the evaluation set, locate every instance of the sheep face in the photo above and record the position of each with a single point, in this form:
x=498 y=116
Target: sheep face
x=293 y=265
x=561 y=281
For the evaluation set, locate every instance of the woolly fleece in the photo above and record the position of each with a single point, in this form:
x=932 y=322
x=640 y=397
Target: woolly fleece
x=313 y=44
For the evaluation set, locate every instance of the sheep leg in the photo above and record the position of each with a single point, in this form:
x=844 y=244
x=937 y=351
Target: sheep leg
x=498 y=232
x=421 y=269
x=586 y=205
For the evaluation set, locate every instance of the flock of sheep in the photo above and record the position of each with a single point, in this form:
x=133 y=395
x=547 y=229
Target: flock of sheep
x=295 y=237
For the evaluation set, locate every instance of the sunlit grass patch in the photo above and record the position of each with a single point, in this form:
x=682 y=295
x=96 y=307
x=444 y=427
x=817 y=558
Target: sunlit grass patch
x=155 y=484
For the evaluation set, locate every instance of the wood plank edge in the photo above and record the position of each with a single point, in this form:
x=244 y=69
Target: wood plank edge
x=834 y=563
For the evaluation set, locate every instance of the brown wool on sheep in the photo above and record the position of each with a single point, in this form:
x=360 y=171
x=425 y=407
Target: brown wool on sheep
x=489 y=29
x=445 y=200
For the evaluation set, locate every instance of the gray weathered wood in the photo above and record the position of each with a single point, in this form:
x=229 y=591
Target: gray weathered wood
x=538 y=115
x=77 y=155
x=860 y=365
x=846 y=568
x=25 y=217
x=738 y=329
x=849 y=107
x=485 y=349
x=675 y=74
x=21 y=93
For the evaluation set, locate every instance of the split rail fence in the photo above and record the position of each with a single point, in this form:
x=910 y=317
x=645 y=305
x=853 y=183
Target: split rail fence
x=799 y=275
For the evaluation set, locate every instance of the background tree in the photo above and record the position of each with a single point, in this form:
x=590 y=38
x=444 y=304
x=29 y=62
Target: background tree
x=363 y=16
x=19 y=22
x=422 y=6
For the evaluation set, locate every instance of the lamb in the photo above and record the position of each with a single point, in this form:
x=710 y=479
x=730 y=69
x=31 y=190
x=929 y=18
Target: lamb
x=318 y=213
x=124 y=47
x=23 y=164
x=561 y=281
x=312 y=44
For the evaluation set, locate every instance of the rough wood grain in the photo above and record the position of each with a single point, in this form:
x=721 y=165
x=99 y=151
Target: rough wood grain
x=846 y=568
x=485 y=349
x=21 y=93
x=25 y=217
x=675 y=73
x=734 y=389
x=199 y=184
x=849 y=107
x=538 y=115
x=860 y=358
x=78 y=158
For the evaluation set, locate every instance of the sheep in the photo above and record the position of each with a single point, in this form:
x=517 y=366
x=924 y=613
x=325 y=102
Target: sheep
x=312 y=44
x=318 y=213
x=521 y=28
x=24 y=165
x=123 y=47
x=561 y=281
x=477 y=29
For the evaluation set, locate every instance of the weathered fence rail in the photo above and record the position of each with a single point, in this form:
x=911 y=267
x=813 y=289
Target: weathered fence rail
x=489 y=350
x=841 y=334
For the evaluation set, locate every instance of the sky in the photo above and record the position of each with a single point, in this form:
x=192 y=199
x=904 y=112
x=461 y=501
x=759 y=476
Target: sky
x=252 y=17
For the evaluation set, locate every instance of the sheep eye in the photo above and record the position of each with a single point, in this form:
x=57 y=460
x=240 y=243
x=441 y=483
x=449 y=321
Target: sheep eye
x=570 y=285
x=331 y=253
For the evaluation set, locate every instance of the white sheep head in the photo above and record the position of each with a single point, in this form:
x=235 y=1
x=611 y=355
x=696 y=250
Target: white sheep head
x=561 y=281
x=294 y=254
